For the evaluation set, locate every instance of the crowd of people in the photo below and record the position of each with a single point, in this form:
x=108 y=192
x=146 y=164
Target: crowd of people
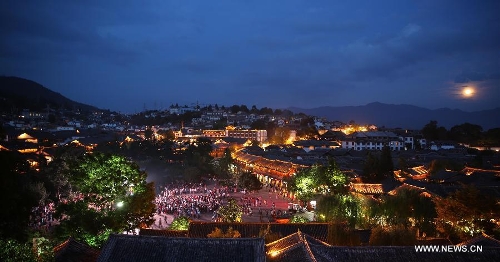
x=191 y=199
x=195 y=199
x=42 y=217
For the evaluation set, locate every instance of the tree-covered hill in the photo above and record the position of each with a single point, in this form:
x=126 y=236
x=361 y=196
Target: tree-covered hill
x=19 y=93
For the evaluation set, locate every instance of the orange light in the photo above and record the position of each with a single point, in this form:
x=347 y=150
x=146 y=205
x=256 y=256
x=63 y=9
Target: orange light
x=468 y=92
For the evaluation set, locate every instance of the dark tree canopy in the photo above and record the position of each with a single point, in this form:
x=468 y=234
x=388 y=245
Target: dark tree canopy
x=249 y=181
x=318 y=180
x=466 y=213
x=110 y=196
x=432 y=132
x=466 y=133
x=17 y=196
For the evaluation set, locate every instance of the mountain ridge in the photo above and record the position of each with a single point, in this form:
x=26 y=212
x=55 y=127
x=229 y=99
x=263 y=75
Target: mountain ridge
x=403 y=115
x=20 y=92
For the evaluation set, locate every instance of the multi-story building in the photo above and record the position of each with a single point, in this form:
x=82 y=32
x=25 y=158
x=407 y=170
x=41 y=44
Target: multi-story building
x=214 y=133
x=257 y=135
x=373 y=140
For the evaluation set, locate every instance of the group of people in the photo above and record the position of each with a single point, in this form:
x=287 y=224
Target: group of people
x=190 y=199
x=200 y=201
x=42 y=216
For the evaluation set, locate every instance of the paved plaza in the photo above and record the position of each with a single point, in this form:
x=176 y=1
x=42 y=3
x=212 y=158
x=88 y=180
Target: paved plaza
x=267 y=195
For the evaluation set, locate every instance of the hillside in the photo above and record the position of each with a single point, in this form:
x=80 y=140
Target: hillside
x=404 y=116
x=21 y=93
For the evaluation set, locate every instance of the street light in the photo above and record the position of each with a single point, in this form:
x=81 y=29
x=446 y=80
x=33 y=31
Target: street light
x=119 y=204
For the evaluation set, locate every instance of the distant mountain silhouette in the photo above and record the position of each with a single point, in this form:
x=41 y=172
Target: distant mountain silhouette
x=21 y=93
x=403 y=116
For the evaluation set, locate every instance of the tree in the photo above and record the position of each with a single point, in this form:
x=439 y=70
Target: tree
x=192 y=174
x=386 y=166
x=197 y=155
x=167 y=134
x=392 y=236
x=371 y=168
x=466 y=133
x=222 y=166
x=259 y=124
x=339 y=209
x=466 y=213
x=298 y=219
x=319 y=180
x=438 y=164
x=180 y=223
x=249 y=181
x=13 y=251
x=148 y=133
x=230 y=233
x=492 y=137
x=244 y=108
x=334 y=179
x=254 y=110
x=2 y=133
x=18 y=197
x=231 y=212
x=430 y=130
x=52 y=118
x=266 y=111
x=281 y=135
x=408 y=208
x=235 y=109
x=110 y=195
x=57 y=172
x=403 y=166
x=304 y=183
x=376 y=168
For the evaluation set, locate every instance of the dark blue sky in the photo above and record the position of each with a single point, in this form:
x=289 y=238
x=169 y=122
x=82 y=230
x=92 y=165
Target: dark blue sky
x=122 y=55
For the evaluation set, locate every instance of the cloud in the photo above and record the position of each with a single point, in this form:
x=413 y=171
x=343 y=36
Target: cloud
x=327 y=27
x=475 y=76
x=410 y=29
x=39 y=31
x=323 y=52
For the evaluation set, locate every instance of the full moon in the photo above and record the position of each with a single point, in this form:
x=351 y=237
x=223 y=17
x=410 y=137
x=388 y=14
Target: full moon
x=468 y=92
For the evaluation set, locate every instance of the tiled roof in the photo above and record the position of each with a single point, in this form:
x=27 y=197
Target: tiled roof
x=295 y=247
x=125 y=248
x=364 y=188
x=74 y=251
x=301 y=247
x=482 y=240
x=399 y=253
x=434 y=241
x=163 y=233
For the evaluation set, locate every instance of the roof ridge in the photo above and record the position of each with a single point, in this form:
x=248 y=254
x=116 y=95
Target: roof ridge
x=306 y=245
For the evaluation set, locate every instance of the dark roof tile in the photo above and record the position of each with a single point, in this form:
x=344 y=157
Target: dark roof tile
x=125 y=248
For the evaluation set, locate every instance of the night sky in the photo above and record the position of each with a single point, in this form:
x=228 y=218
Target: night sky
x=124 y=55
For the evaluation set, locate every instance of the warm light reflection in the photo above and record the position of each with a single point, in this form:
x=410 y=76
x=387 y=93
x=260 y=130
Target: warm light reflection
x=351 y=129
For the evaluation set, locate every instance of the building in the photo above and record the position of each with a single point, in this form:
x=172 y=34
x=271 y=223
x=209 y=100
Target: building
x=372 y=140
x=254 y=135
x=152 y=248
